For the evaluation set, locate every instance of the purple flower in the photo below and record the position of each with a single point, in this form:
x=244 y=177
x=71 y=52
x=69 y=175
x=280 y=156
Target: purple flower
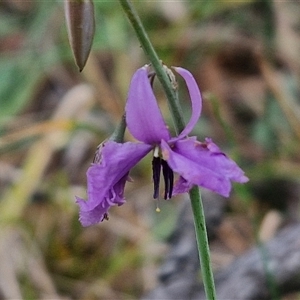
x=197 y=163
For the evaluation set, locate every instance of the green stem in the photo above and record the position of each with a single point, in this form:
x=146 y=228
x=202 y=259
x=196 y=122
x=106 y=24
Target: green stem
x=202 y=242
x=118 y=134
x=195 y=196
x=156 y=63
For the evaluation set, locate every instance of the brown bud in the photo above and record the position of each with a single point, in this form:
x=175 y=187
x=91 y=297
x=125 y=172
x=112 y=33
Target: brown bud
x=81 y=28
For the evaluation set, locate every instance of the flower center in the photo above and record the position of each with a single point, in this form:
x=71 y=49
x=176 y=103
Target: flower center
x=159 y=164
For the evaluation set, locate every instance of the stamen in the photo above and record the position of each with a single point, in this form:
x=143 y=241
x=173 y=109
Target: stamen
x=156 y=166
x=171 y=178
x=168 y=178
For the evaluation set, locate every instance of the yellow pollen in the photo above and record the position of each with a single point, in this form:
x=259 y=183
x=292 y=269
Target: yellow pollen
x=157 y=206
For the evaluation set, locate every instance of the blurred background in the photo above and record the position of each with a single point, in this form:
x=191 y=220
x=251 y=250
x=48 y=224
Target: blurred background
x=245 y=58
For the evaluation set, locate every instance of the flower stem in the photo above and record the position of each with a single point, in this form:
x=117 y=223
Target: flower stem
x=202 y=242
x=118 y=134
x=156 y=63
x=195 y=196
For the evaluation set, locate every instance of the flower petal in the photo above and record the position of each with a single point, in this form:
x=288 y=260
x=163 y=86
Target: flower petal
x=99 y=213
x=106 y=179
x=143 y=116
x=194 y=173
x=196 y=100
x=210 y=156
x=181 y=186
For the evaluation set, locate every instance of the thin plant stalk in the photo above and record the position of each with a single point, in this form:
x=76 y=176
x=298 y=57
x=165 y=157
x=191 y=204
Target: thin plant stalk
x=195 y=195
x=202 y=242
x=156 y=64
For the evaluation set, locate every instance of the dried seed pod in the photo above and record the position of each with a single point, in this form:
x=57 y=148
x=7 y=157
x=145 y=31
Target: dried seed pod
x=81 y=28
